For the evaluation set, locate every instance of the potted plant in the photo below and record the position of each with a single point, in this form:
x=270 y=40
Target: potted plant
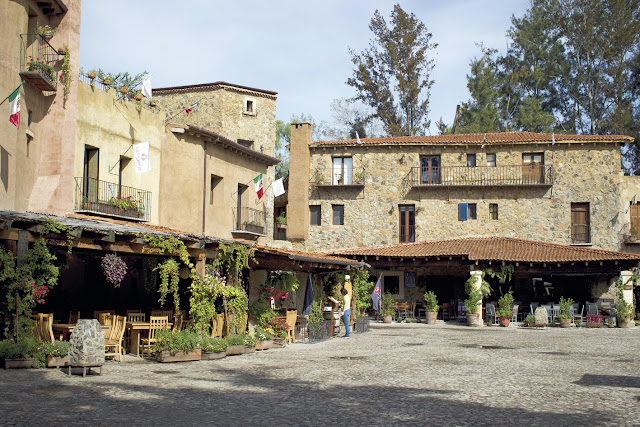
x=63 y=50
x=57 y=354
x=565 y=316
x=611 y=322
x=387 y=308
x=264 y=341
x=474 y=298
x=138 y=96
x=92 y=74
x=153 y=103
x=18 y=355
x=431 y=307
x=213 y=348
x=624 y=313
x=250 y=344
x=504 y=308
x=529 y=321
x=179 y=346
x=235 y=345
x=124 y=90
x=46 y=32
x=281 y=221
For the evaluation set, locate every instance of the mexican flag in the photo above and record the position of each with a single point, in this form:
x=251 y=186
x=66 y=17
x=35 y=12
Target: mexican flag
x=14 y=107
x=257 y=182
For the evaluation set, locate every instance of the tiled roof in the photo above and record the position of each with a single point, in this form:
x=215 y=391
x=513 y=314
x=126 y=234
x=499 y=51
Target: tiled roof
x=317 y=256
x=479 y=139
x=219 y=83
x=491 y=249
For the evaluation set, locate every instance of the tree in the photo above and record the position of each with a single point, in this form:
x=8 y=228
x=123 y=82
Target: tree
x=351 y=116
x=393 y=75
x=320 y=131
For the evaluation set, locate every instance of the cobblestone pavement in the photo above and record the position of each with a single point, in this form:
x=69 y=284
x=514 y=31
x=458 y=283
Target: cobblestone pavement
x=399 y=374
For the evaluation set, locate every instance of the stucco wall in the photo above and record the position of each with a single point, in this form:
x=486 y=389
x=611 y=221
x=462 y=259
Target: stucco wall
x=113 y=125
x=38 y=178
x=582 y=172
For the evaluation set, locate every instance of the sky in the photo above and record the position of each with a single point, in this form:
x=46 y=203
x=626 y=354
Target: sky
x=298 y=49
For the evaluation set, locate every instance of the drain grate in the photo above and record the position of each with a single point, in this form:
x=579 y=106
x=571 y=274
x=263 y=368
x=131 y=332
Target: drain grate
x=165 y=372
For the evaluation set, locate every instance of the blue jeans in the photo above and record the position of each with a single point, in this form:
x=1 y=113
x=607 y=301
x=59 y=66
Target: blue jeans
x=345 y=319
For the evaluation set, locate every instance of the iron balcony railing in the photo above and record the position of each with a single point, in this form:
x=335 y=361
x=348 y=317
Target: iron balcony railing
x=481 y=175
x=349 y=177
x=38 y=62
x=248 y=219
x=580 y=233
x=109 y=199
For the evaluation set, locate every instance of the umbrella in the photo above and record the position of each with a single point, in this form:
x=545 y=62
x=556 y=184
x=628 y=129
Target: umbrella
x=308 y=297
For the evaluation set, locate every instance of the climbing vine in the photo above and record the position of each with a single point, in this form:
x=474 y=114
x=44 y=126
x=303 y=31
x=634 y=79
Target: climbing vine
x=362 y=288
x=237 y=304
x=65 y=75
x=505 y=273
x=169 y=280
x=51 y=226
x=231 y=260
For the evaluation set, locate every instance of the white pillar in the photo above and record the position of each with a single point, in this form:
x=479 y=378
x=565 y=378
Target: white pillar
x=477 y=282
x=627 y=286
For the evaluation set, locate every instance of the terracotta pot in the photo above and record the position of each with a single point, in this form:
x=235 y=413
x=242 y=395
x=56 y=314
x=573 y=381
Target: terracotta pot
x=92 y=75
x=62 y=51
x=387 y=319
x=18 y=363
x=566 y=323
x=124 y=90
x=57 y=361
x=180 y=356
x=152 y=103
x=138 y=97
x=627 y=323
x=234 y=350
x=264 y=345
x=504 y=321
x=214 y=355
x=431 y=317
x=106 y=82
x=473 y=319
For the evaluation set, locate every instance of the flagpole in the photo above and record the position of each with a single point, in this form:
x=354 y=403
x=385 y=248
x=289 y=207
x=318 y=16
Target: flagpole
x=182 y=111
x=12 y=92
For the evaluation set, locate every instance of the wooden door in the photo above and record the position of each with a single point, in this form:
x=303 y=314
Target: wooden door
x=430 y=170
x=634 y=210
x=533 y=168
x=580 y=227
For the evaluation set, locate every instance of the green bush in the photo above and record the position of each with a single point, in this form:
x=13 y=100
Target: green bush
x=431 y=301
x=504 y=304
x=213 y=345
x=565 y=309
x=387 y=304
x=166 y=340
x=27 y=347
x=56 y=349
x=235 y=340
x=250 y=341
x=530 y=320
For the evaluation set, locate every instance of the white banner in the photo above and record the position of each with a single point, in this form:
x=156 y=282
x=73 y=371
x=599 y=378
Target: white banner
x=141 y=157
x=146 y=87
x=278 y=187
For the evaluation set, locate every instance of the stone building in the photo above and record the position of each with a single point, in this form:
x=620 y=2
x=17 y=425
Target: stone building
x=565 y=189
x=36 y=166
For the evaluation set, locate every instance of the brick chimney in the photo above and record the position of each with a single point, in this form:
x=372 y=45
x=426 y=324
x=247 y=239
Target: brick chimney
x=299 y=161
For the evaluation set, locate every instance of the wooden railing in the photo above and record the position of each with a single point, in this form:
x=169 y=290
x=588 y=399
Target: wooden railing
x=481 y=176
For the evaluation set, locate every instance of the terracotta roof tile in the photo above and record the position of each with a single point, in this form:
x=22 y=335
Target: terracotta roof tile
x=479 y=139
x=491 y=249
x=317 y=255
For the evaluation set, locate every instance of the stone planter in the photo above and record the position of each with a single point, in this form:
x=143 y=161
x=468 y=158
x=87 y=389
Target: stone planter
x=279 y=343
x=431 y=317
x=213 y=355
x=387 y=318
x=179 y=356
x=234 y=350
x=57 y=361
x=248 y=349
x=566 y=323
x=473 y=319
x=264 y=345
x=504 y=321
x=627 y=323
x=18 y=363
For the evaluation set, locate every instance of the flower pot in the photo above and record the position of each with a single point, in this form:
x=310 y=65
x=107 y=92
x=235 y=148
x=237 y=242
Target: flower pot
x=92 y=75
x=431 y=317
x=213 y=355
x=57 y=361
x=62 y=51
x=179 y=356
x=234 y=350
x=124 y=90
x=47 y=35
x=138 y=97
x=473 y=319
x=279 y=343
x=627 y=323
x=248 y=349
x=387 y=318
x=566 y=323
x=264 y=345
x=18 y=363
x=504 y=321
x=106 y=82
x=152 y=103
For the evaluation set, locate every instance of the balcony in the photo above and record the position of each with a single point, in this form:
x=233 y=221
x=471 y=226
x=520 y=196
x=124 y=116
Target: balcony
x=329 y=179
x=249 y=221
x=38 y=62
x=463 y=176
x=112 y=200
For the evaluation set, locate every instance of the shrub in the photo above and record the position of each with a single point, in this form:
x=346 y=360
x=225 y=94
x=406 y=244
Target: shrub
x=431 y=301
x=166 y=340
x=213 y=345
x=235 y=340
x=504 y=304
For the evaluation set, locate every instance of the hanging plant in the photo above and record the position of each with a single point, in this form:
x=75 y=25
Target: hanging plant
x=65 y=76
x=114 y=269
x=169 y=281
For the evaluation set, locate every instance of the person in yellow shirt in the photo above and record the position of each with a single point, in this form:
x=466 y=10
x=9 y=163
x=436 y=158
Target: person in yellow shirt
x=346 y=307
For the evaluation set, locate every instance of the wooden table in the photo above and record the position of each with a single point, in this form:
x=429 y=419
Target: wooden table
x=67 y=328
x=136 y=328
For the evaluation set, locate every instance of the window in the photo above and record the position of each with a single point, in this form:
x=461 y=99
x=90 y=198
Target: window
x=580 y=232
x=430 y=170
x=246 y=143
x=391 y=284
x=533 y=168
x=493 y=211
x=315 y=212
x=634 y=213
x=407 y=223
x=472 y=210
x=342 y=171
x=90 y=173
x=122 y=170
x=250 y=106
x=338 y=214
x=491 y=160
x=471 y=160
x=215 y=188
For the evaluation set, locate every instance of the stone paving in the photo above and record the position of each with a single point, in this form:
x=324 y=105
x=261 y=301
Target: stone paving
x=399 y=374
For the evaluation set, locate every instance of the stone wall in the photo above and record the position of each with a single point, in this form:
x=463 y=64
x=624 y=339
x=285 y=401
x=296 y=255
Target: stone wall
x=584 y=173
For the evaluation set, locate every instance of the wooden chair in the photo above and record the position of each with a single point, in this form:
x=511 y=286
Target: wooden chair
x=96 y=313
x=218 y=324
x=113 y=345
x=44 y=328
x=291 y=318
x=156 y=323
x=73 y=317
x=128 y=312
x=132 y=316
x=105 y=318
x=178 y=319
